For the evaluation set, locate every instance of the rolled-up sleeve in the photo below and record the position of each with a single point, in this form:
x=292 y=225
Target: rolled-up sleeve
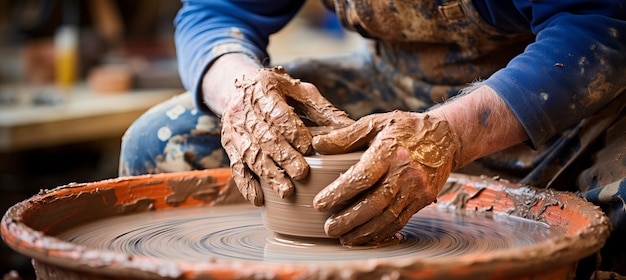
x=576 y=65
x=207 y=29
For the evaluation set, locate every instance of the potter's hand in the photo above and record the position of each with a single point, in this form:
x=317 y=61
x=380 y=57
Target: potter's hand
x=409 y=158
x=265 y=137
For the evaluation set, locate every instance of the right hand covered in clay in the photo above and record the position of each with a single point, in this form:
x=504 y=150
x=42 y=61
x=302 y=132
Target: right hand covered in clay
x=263 y=134
x=409 y=158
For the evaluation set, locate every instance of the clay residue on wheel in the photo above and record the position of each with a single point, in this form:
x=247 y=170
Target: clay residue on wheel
x=459 y=201
x=526 y=198
x=52 y=214
x=527 y=202
x=560 y=210
x=206 y=189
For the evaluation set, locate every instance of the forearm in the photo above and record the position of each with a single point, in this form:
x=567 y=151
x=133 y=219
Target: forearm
x=208 y=29
x=219 y=80
x=483 y=123
x=574 y=67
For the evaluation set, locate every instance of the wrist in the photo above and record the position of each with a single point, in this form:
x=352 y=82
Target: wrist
x=483 y=123
x=219 y=80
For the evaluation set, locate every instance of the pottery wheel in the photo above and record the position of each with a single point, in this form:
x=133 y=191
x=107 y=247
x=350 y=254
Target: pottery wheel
x=236 y=232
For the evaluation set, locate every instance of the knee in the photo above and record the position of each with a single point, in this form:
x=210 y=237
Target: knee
x=140 y=146
x=171 y=137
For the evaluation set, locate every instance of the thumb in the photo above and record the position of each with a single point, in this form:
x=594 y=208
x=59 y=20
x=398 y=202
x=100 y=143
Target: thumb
x=311 y=103
x=347 y=139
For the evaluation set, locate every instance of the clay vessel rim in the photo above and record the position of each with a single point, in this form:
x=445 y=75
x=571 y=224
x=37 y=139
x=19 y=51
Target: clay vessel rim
x=318 y=159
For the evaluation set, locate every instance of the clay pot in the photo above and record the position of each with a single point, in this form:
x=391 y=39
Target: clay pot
x=295 y=215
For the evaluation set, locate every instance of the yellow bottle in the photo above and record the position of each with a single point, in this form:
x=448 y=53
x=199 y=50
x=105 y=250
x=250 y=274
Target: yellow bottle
x=66 y=57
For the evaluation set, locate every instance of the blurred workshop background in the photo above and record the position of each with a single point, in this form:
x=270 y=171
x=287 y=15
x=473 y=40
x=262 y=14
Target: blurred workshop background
x=74 y=74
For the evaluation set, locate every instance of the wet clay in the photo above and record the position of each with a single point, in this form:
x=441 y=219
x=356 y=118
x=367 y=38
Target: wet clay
x=479 y=228
x=295 y=215
x=236 y=233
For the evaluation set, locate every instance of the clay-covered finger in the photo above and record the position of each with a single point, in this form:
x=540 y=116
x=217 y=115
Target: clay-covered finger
x=318 y=109
x=248 y=186
x=269 y=174
x=241 y=146
x=349 y=138
x=264 y=127
x=413 y=195
x=389 y=195
x=397 y=225
x=285 y=121
x=378 y=230
x=358 y=178
x=388 y=220
x=267 y=94
x=277 y=149
x=380 y=198
x=319 y=130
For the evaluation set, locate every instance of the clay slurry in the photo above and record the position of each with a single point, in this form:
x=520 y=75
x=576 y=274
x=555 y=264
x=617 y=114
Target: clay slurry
x=236 y=232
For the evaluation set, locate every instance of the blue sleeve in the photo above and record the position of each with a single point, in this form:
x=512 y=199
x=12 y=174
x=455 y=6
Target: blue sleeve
x=207 y=29
x=576 y=65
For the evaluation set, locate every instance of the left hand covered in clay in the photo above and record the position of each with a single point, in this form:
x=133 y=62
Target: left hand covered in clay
x=409 y=158
x=264 y=134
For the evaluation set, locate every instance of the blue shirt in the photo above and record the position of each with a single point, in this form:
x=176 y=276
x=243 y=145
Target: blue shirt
x=576 y=65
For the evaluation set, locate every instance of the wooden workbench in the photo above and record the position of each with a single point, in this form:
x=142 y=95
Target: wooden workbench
x=83 y=116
